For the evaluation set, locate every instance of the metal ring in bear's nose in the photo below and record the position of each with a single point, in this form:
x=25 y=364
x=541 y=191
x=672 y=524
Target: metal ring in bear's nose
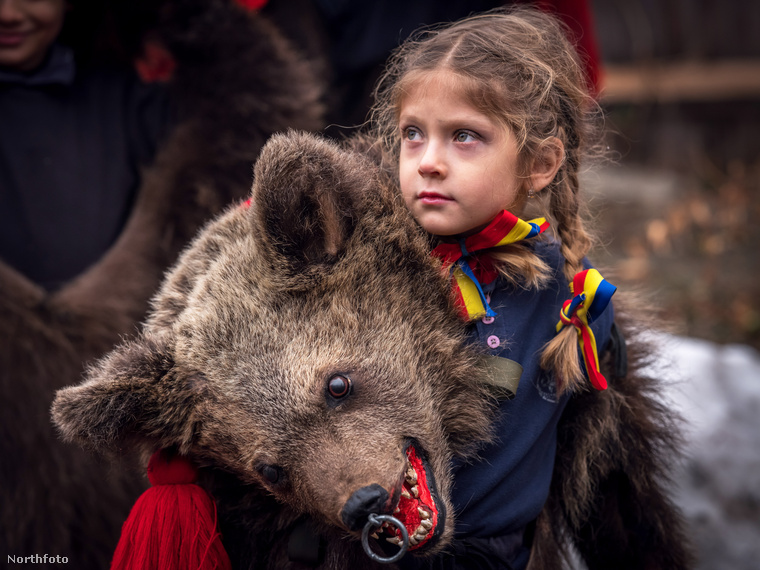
x=373 y=521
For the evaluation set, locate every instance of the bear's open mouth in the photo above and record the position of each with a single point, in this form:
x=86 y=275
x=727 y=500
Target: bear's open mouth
x=418 y=508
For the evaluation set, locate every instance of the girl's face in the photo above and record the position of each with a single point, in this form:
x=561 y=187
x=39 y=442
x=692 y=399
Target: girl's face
x=458 y=167
x=27 y=29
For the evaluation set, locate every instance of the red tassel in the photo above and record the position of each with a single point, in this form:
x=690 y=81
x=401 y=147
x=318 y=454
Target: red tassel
x=172 y=525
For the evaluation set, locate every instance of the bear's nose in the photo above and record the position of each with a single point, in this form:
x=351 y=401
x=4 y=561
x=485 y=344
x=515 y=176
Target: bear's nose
x=365 y=501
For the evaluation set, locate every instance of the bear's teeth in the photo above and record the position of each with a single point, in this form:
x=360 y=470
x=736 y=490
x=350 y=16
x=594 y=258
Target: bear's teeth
x=411 y=476
x=375 y=535
x=415 y=491
x=397 y=511
x=421 y=532
x=424 y=515
x=395 y=540
x=405 y=493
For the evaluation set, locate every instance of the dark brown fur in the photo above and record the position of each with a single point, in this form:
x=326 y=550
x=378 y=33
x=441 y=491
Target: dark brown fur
x=609 y=496
x=236 y=82
x=326 y=272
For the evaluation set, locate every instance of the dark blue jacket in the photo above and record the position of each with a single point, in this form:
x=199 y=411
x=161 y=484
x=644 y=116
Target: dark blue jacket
x=507 y=488
x=72 y=145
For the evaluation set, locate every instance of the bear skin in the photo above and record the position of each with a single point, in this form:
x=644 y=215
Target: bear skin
x=236 y=81
x=305 y=350
x=324 y=278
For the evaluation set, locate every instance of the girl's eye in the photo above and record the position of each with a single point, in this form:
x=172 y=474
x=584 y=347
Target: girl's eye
x=411 y=134
x=339 y=386
x=464 y=137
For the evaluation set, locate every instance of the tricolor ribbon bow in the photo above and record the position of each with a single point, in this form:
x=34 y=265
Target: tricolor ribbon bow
x=592 y=294
x=470 y=270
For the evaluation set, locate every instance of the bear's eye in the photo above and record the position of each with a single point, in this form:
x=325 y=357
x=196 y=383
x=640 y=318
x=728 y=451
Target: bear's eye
x=339 y=386
x=271 y=473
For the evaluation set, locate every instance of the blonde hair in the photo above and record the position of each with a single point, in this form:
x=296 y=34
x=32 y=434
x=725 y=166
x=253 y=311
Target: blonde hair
x=519 y=67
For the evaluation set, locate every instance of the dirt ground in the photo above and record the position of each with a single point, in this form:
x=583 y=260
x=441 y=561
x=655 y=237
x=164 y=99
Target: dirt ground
x=678 y=214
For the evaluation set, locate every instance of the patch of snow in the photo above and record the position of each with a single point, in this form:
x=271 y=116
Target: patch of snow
x=717 y=390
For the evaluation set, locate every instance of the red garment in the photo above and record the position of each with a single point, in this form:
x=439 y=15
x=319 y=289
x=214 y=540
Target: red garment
x=577 y=16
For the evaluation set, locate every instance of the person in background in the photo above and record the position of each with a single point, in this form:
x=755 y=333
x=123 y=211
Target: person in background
x=73 y=143
x=357 y=38
x=124 y=126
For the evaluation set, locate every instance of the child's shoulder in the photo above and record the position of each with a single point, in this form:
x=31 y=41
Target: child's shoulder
x=545 y=299
x=550 y=253
x=534 y=304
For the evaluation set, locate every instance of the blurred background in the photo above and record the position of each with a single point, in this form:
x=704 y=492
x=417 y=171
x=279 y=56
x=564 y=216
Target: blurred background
x=678 y=209
x=681 y=88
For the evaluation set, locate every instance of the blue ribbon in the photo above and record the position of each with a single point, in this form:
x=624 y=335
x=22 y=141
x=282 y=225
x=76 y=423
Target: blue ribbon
x=467 y=270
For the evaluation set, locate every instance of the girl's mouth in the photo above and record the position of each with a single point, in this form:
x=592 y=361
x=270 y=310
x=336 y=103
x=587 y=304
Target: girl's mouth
x=433 y=198
x=11 y=39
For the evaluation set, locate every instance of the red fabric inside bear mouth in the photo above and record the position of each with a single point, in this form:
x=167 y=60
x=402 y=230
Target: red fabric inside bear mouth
x=416 y=508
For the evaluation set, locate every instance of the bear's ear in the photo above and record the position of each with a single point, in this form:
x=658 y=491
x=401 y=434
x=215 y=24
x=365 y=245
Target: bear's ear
x=132 y=396
x=307 y=196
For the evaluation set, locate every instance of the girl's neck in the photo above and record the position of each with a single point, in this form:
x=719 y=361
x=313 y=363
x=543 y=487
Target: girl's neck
x=455 y=238
x=471 y=232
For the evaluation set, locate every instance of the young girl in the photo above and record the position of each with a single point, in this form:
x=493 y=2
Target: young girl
x=487 y=120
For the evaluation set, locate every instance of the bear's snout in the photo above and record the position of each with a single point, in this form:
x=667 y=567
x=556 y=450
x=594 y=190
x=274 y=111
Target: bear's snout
x=364 y=501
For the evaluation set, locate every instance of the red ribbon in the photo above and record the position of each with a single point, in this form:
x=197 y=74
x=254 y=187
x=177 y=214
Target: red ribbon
x=592 y=294
x=471 y=266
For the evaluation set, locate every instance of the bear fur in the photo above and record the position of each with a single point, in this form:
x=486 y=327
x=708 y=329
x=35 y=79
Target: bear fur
x=325 y=274
x=236 y=81
x=242 y=364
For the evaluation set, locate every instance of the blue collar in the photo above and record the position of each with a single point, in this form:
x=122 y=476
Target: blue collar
x=57 y=69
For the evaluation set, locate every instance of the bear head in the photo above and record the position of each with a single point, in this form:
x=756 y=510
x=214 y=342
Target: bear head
x=306 y=344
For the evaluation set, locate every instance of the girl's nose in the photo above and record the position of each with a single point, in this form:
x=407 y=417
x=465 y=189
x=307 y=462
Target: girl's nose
x=9 y=12
x=432 y=161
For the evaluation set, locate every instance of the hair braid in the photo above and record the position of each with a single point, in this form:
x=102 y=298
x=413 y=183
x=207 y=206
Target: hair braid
x=575 y=241
x=561 y=353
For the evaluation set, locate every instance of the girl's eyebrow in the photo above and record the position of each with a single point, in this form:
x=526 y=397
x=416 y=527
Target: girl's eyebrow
x=451 y=123
x=407 y=117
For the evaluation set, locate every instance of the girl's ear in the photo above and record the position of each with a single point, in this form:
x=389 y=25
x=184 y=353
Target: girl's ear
x=546 y=163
